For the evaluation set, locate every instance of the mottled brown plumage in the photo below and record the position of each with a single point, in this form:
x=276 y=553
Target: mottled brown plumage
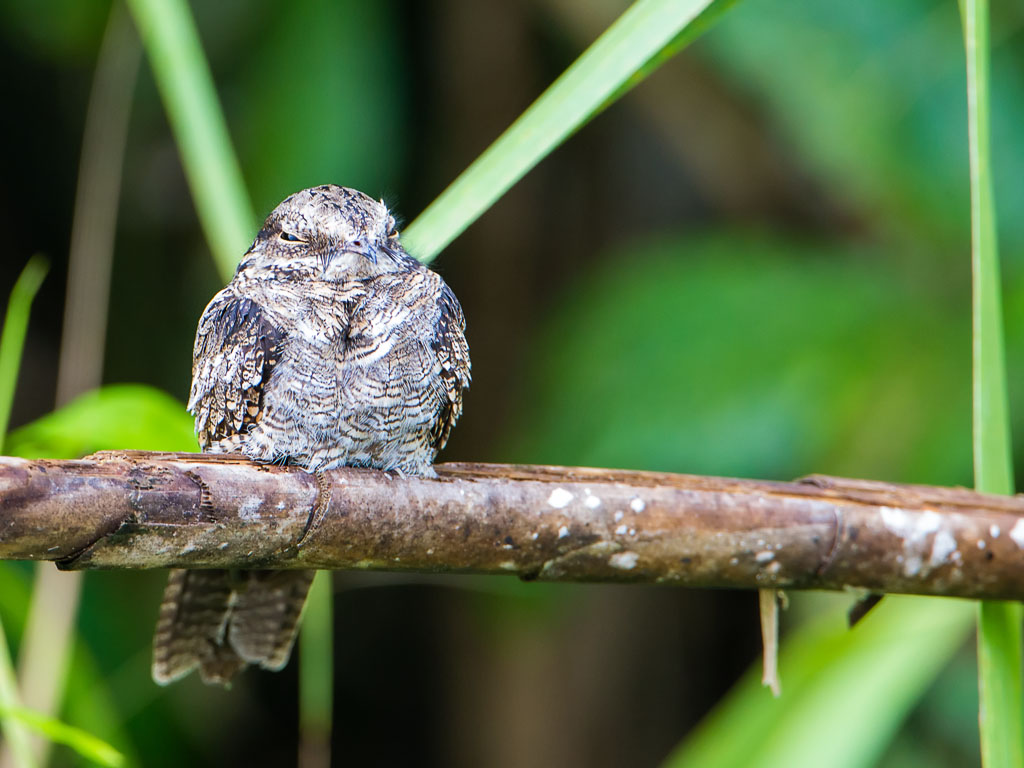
x=330 y=347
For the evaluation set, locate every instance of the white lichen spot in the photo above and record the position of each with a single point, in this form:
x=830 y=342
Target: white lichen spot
x=764 y=557
x=618 y=516
x=623 y=560
x=637 y=505
x=508 y=566
x=774 y=568
x=250 y=508
x=943 y=546
x=534 y=535
x=734 y=561
x=914 y=530
x=621 y=530
x=1017 y=533
x=508 y=546
x=981 y=544
x=224 y=545
x=563 y=532
x=993 y=531
x=560 y=498
x=430 y=551
x=591 y=502
x=632 y=531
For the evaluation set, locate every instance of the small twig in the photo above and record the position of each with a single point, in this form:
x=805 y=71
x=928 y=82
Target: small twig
x=768 y=602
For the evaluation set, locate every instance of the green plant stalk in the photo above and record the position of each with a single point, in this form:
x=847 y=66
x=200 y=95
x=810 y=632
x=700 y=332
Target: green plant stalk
x=634 y=40
x=186 y=87
x=846 y=690
x=701 y=24
x=12 y=342
x=84 y=743
x=13 y=729
x=12 y=339
x=1001 y=697
x=316 y=674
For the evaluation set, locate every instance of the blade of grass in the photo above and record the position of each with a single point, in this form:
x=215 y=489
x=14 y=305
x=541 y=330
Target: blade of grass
x=45 y=650
x=12 y=342
x=701 y=24
x=636 y=39
x=12 y=339
x=15 y=732
x=847 y=691
x=90 y=700
x=316 y=675
x=1001 y=697
x=186 y=87
x=85 y=744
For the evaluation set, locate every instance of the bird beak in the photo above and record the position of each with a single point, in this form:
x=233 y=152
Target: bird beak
x=366 y=251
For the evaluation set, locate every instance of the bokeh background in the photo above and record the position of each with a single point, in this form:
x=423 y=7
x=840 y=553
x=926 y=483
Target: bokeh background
x=755 y=264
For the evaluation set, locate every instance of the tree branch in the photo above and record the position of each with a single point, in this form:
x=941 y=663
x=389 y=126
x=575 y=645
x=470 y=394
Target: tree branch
x=136 y=509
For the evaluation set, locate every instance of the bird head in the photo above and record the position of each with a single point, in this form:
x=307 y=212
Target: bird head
x=327 y=233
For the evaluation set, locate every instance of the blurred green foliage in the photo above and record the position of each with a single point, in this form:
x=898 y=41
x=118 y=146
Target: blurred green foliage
x=321 y=91
x=750 y=355
x=108 y=418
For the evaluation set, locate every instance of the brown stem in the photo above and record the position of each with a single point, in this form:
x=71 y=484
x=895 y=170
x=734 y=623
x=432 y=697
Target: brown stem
x=137 y=509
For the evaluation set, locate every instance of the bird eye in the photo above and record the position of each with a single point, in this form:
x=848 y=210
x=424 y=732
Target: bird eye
x=357 y=243
x=289 y=237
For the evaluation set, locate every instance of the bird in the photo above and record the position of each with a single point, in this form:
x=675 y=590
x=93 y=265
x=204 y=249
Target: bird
x=331 y=346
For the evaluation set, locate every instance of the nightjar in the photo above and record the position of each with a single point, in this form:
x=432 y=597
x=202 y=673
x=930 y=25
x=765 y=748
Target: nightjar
x=330 y=347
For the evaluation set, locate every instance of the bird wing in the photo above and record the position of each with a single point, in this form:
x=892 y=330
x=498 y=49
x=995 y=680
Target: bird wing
x=235 y=352
x=453 y=354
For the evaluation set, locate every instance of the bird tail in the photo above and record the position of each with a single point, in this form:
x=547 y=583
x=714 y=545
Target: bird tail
x=220 y=621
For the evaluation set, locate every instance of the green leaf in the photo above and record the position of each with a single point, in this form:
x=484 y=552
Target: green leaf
x=1000 y=659
x=12 y=339
x=845 y=692
x=627 y=46
x=186 y=86
x=110 y=418
x=85 y=744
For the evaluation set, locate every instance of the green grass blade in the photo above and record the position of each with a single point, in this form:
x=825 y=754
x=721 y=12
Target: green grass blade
x=845 y=691
x=186 y=86
x=85 y=744
x=316 y=674
x=992 y=465
x=634 y=40
x=12 y=339
x=12 y=729
x=999 y=624
x=702 y=23
x=999 y=684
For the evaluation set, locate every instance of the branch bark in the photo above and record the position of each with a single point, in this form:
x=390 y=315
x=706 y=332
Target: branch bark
x=136 y=509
